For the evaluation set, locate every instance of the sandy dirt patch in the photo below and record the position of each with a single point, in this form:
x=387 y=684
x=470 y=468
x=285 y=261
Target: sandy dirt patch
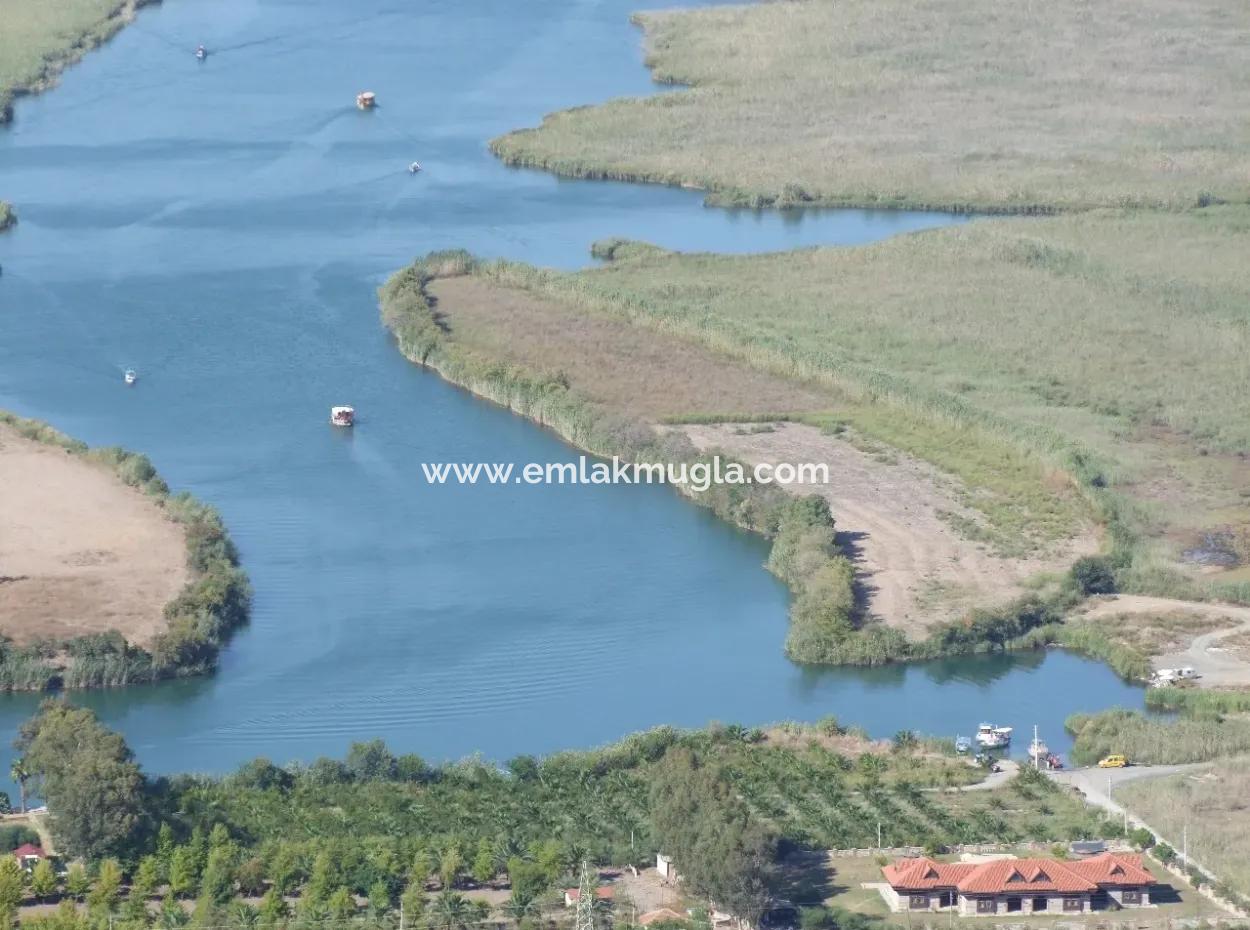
x=631 y=368
x=1214 y=655
x=914 y=567
x=79 y=551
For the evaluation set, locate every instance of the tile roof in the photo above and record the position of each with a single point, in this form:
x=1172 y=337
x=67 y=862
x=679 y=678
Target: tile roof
x=603 y=893
x=1025 y=876
x=29 y=849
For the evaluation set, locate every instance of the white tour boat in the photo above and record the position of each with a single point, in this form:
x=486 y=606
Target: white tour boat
x=992 y=737
x=342 y=415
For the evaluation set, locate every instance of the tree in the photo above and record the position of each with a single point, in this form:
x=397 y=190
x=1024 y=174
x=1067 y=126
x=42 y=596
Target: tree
x=77 y=884
x=451 y=911
x=422 y=867
x=19 y=774
x=12 y=882
x=147 y=876
x=379 y=901
x=43 y=880
x=108 y=884
x=449 y=866
x=243 y=915
x=273 y=909
x=250 y=876
x=341 y=905
x=484 y=862
x=726 y=854
x=87 y=774
x=371 y=761
x=283 y=870
x=183 y=872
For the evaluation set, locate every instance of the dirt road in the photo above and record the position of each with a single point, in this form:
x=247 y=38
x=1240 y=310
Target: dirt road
x=1215 y=666
x=893 y=520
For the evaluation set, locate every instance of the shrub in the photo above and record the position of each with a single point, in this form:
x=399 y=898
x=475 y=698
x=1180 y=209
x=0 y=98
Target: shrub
x=1163 y=852
x=1093 y=575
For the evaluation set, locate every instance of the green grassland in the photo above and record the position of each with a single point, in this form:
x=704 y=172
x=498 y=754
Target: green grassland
x=924 y=103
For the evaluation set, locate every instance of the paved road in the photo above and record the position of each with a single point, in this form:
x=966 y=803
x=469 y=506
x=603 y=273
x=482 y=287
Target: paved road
x=1092 y=782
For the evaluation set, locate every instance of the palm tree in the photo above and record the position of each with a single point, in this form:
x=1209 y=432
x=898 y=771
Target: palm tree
x=19 y=773
x=452 y=911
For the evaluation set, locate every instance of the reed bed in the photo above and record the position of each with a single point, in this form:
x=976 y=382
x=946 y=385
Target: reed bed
x=1027 y=107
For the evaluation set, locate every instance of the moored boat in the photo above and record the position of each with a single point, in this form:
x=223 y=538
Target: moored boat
x=962 y=744
x=342 y=415
x=992 y=737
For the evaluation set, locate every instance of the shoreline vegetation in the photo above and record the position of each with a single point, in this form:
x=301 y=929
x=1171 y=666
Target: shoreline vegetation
x=919 y=106
x=826 y=627
x=308 y=842
x=212 y=605
x=40 y=40
x=8 y=216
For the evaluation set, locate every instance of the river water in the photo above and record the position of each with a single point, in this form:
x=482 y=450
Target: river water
x=222 y=227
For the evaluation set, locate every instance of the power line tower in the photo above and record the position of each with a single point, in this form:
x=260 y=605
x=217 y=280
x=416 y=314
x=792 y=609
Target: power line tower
x=587 y=899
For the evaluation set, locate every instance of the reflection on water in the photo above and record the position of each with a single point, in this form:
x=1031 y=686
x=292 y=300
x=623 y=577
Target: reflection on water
x=222 y=227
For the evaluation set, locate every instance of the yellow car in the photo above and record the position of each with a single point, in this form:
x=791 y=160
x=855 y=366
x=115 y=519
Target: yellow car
x=1112 y=762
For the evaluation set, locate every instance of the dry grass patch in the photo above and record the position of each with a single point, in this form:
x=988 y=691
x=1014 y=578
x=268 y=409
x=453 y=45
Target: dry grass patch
x=898 y=102
x=79 y=551
x=1156 y=634
x=1213 y=804
x=629 y=369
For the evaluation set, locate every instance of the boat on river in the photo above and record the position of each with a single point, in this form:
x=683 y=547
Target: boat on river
x=342 y=415
x=962 y=745
x=201 y=52
x=366 y=100
x=992 y=737
x=131 y=376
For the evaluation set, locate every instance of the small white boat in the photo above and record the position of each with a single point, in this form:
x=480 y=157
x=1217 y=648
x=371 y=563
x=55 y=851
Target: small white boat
x=963 y=745
x=130 y=377
x=366 y=100
x=992 y=737
x=414 y=168
x=201 y=52
x=342 y=416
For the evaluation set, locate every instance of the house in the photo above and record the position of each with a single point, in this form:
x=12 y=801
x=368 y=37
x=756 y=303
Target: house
x=573 y=895
x=1018 y=886
x=29 y=855
x=663 y=915
x=664 y=865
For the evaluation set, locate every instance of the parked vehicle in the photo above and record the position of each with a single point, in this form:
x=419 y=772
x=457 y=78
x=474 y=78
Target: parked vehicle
x=1114 y=761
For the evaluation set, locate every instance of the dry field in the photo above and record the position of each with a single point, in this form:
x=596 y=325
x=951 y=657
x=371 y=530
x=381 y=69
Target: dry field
x=1215 y=807
x=929 y=103
x=634 y=370
x=79 y=551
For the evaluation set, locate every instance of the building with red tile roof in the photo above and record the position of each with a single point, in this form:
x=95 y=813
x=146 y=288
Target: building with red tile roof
x=573 y=895
x=29 y=855
x=1018 y=886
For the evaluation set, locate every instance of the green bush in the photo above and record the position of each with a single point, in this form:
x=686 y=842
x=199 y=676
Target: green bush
x=1093 y=575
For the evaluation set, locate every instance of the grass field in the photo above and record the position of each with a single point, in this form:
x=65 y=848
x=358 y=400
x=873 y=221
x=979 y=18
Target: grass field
x=1213 y=807
x=1007 y=352
x=977 y=105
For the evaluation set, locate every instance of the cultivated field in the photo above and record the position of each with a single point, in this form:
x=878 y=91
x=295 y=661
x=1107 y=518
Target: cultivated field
x=980 y=105
x=1212 y=804
x=79 y=551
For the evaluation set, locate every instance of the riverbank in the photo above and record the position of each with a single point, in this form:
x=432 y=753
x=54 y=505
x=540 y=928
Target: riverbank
x=918 y=105
x=424 y=306
x=41 y=40
x=109 y=578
